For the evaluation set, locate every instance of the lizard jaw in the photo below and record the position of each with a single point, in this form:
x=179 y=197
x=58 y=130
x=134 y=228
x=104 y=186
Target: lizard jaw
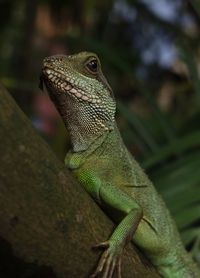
x=56 y=80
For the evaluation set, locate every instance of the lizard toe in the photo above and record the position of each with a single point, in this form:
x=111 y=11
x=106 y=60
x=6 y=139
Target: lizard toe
x=109 y=262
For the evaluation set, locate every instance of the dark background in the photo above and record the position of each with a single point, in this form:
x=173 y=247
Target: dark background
x=150 y=52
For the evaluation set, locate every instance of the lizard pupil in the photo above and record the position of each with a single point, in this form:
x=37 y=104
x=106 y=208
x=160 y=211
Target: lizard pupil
x=92 y=65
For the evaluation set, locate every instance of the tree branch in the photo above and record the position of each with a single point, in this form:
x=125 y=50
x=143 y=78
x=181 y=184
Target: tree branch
x=45 y=216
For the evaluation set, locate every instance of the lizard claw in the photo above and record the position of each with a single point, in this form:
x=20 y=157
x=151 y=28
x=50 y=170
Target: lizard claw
x=104 y=244
x=109 y=262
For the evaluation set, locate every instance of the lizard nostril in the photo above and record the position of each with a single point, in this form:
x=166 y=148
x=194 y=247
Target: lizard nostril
x=51 y=60
x=47 y=61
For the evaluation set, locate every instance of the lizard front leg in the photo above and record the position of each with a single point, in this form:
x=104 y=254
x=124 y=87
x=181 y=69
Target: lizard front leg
x=111 y=258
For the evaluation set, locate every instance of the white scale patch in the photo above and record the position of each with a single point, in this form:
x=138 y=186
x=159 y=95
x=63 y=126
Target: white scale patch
x=64 y=85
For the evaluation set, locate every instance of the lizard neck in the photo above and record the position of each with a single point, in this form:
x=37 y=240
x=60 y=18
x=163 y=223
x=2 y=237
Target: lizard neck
x=113 y=143
x=83 y=141
x=109 y=140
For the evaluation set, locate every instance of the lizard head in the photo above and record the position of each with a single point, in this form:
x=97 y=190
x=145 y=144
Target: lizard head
x=81 y=94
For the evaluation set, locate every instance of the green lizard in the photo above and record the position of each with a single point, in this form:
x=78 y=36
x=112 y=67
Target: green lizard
x=108 y=172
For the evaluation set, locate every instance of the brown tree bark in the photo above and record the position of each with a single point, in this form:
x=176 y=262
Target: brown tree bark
x=46 y=218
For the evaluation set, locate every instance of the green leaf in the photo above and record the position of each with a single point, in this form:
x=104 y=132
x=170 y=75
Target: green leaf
x=180 y=145
x=188 y=216
x=138 y=126
x=189 y=235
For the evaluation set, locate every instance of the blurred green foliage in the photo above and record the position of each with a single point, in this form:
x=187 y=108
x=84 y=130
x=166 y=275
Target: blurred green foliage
x=150 y=55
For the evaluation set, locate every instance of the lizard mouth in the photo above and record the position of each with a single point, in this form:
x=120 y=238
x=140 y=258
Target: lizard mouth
x=53 y=79
x=56 y=81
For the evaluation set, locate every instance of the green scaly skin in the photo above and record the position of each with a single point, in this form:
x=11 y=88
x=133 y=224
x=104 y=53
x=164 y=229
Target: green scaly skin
x=108 y=172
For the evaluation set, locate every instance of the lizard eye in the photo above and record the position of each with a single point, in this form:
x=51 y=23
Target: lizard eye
x=92 y=65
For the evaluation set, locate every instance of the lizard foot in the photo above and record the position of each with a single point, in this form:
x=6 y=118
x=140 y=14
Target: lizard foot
x=110 y=260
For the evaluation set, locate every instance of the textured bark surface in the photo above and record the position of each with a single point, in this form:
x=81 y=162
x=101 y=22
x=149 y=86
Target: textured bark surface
x=46 y=218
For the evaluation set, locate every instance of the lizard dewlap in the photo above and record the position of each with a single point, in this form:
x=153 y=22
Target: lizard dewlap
x=108 y=172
